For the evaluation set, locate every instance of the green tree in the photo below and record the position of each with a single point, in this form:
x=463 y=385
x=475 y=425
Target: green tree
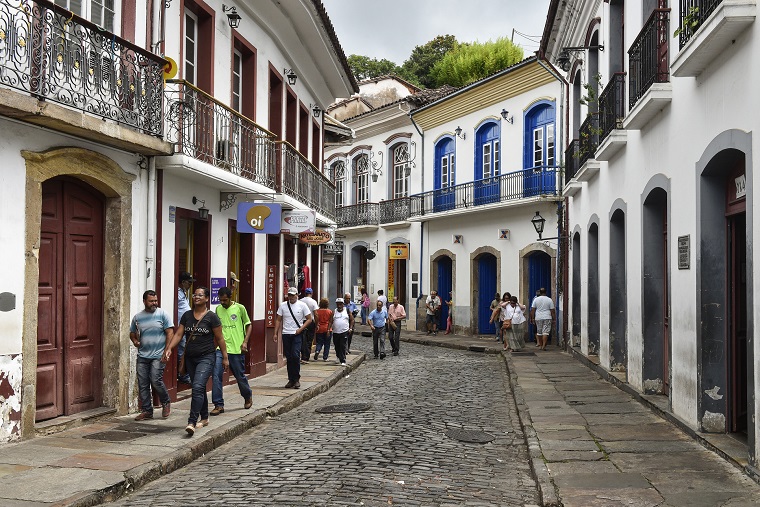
x=423 y=58
x=365 y=67
x=470 y=62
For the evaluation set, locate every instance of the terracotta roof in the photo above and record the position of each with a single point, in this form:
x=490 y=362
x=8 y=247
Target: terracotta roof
x=335 y=42
x=390 y=76
x=429 y=95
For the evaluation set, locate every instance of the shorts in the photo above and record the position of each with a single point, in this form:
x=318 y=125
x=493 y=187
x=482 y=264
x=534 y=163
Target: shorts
x=431 y=319
x=544 y=327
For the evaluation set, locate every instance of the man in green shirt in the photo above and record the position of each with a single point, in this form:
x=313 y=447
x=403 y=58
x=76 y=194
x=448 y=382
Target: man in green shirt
x=236 y=328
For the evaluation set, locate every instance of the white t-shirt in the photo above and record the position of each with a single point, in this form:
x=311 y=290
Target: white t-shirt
x=341 y=322
x=543 y=306
x=300 y=310
x=384 y=299
x=309 y=301
x=434 y=302
x=516 y=314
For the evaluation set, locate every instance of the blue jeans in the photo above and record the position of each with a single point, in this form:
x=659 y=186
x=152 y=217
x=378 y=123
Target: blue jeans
x=291 y=348
x=150 y=372
x=200 y=369
x=323 y=340
x=180 y=351
x=237 y=367
x=365 y=313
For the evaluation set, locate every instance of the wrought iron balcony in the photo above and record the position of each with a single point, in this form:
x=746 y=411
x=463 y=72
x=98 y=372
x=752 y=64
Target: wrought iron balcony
x=205 y=129
x=693 y=14
x=395 y=210
x=612 y=106
x=56 y=56
x=358 y=214
x=572 y=160
x=588 y=138
x=648 y=56
x=300 y=179
x=538 y=181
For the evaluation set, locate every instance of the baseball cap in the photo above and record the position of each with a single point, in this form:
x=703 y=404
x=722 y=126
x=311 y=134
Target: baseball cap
x=308 y=291
x=292 y=290
x=184 y=276
x=339 y=300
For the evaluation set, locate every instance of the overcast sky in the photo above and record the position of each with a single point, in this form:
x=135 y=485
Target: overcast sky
x=392 y=28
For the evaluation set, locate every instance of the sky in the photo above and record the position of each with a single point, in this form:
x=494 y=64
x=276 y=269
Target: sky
x=392 y=28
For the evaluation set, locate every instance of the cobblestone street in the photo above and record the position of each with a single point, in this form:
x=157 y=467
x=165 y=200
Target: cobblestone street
x=396 y=453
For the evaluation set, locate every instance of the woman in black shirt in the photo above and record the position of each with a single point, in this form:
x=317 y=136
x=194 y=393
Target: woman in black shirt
x=203 y=331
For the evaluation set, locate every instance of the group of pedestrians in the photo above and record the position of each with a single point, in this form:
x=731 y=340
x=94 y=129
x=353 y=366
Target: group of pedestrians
x=511 y=322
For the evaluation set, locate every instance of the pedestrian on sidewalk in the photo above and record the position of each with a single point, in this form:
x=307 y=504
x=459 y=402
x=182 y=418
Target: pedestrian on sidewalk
x=236 y=329
x=377 y=319
x=382 y=297
x=498 y=316
x=353 y=309
x=542 y=315
x=396 y=314
x=150 y=331
x=342 y=326
x=494 y=306
x=293 y=316
x=432 y=311
x=450 y=317
x=183 y=305
x=308 y=333
x=324 y=317
x=515 y=335
x=365 y=306
x=202 y=330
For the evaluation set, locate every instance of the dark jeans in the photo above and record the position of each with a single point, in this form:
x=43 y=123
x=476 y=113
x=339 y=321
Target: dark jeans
x=348 y=341
x=394 y=336
x=340 y=340
x=200 y=369
x=180 y=351
x=150 y=372
x=323 y=340
x=237 y=367
x=378 y=335
x=291 y=348
x=307 y=339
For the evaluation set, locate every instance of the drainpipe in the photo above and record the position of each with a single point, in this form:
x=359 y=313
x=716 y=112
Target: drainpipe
x=564 y=115
x=422 y=224
x=150 y=249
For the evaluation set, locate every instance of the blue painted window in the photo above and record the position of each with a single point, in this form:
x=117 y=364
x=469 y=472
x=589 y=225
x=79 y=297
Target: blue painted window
x=487 y=163
x=444 y=177
x=539 y=159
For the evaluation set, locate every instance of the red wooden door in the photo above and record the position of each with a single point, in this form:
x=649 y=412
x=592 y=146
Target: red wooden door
x=70 y=325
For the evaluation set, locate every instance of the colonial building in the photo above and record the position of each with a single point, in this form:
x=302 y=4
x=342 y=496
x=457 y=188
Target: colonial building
x=660 y=189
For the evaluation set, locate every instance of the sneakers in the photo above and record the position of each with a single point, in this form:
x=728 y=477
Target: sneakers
x=248 y=403
x=297 y=385
x=382 y=356
x=343 y=363
x=316 y=356
x=289 y=385
x=144 y=415
x=324 y=359
x=217 y=410
x=201 y=423
x=190 y=428
x=166 y=410
x=395 y=353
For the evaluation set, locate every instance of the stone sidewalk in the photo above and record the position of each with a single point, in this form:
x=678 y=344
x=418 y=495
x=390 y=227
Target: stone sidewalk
x=102 y=461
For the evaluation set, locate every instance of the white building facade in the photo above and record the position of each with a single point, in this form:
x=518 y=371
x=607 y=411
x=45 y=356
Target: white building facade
x=660 y=199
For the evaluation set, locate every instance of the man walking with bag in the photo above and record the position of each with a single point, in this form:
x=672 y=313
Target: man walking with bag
x=293 y=317
x=396 y=314
x=377 y=319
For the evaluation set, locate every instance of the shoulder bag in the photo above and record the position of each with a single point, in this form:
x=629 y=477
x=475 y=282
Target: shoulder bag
x=293 y=315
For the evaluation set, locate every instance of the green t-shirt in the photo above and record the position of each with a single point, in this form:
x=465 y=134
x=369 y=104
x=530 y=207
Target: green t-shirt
x=234 y=321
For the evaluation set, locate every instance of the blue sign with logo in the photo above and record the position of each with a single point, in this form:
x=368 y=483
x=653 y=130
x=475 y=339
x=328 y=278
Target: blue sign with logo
x=216 y=284
x=258 y=218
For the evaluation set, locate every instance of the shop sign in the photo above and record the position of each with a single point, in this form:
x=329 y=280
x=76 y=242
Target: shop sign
x=398 y=251
x=271 y=295
x=216 y=284
x=684 y=252
x=298 y=221
x=258 y=218
x=317 y=237
x=335 y=248
x=391 y=280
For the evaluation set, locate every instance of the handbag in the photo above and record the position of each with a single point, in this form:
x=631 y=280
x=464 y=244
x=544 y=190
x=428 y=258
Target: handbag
x=392 y=324
x=293 y=315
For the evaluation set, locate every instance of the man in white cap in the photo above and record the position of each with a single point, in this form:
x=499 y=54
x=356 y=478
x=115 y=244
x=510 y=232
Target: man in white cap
x=293 y=317
x=343 y=324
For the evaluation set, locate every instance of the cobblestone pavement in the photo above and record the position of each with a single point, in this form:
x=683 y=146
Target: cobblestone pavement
x=396 y=453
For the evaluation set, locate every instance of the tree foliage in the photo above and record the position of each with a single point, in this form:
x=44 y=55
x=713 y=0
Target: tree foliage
x=365 y=67
x=470 y=62
x=423 y=58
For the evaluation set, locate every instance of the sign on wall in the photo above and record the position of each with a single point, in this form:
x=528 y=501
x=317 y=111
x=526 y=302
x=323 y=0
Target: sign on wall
x=317 y=237
x=684 y=252
x=297 y=221
x=391 y=279
x=258 y=218
x=503 y=233
x=457 y=239
x=398 y=251
x=271 y=295
x=216 y=284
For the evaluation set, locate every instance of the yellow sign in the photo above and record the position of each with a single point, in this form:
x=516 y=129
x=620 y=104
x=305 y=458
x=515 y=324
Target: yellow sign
x=256 y=215
x=170 y=69
x=398 y=251
x=391 y=279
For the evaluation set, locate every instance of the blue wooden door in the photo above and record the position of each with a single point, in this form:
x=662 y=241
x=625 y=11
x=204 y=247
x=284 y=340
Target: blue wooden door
x=487 y=164
x=539 y=160
x=539 y=275
x=444 y=287
x=444 y=174
x=486 y=290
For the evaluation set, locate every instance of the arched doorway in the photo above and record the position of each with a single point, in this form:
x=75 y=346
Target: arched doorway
x=444 y=286
x=618 y=299
x=358 y=267
x=70 y=299
x=486 y=288
x=539 y=276
x=593 y=325
x=576 y=290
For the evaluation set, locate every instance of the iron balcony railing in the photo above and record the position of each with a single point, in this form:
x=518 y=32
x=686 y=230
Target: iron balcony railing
x=54 y=55
x=358 y=214
x=205 y=129
x=395 y=210
x=572 y=160
x=588 y=138
x=648 y=56
x=300 y=179
x=693 y=14
x=513 y=186
x=612 y=106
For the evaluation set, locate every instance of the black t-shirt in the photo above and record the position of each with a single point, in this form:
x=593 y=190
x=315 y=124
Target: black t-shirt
x=199 y=333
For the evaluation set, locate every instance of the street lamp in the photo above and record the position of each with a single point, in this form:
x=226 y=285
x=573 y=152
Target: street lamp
x=459 y=133
x=538 y=223
x=233 y=18
x=203 y=210
x=291 y=76
x=316 y=111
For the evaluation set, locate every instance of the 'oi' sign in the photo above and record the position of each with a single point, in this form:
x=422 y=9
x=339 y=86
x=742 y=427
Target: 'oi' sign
x=259 y=218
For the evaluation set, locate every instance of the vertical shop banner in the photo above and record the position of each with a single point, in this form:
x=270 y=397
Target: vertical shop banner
x=216 y=284
x=391 y=277
x=271 y=295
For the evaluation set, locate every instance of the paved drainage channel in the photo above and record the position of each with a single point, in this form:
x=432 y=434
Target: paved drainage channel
x=470 y=436
x=127 y=432
x=344 y=408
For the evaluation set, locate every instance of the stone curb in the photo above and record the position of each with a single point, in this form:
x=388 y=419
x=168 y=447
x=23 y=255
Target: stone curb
x=748 y=470
x=546 y=487
x=143 y=474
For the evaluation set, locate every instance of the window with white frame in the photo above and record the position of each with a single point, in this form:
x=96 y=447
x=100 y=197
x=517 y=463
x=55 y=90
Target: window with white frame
x=339 y=175
x=496 y=164
x=447 y=170
x=99 y=12
x=361 y=178
x=550 y=145
x=487 y=160
x=487 y=157
x=538 y=147
x=400 y=166
x=237 y=79
x=191 y=47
